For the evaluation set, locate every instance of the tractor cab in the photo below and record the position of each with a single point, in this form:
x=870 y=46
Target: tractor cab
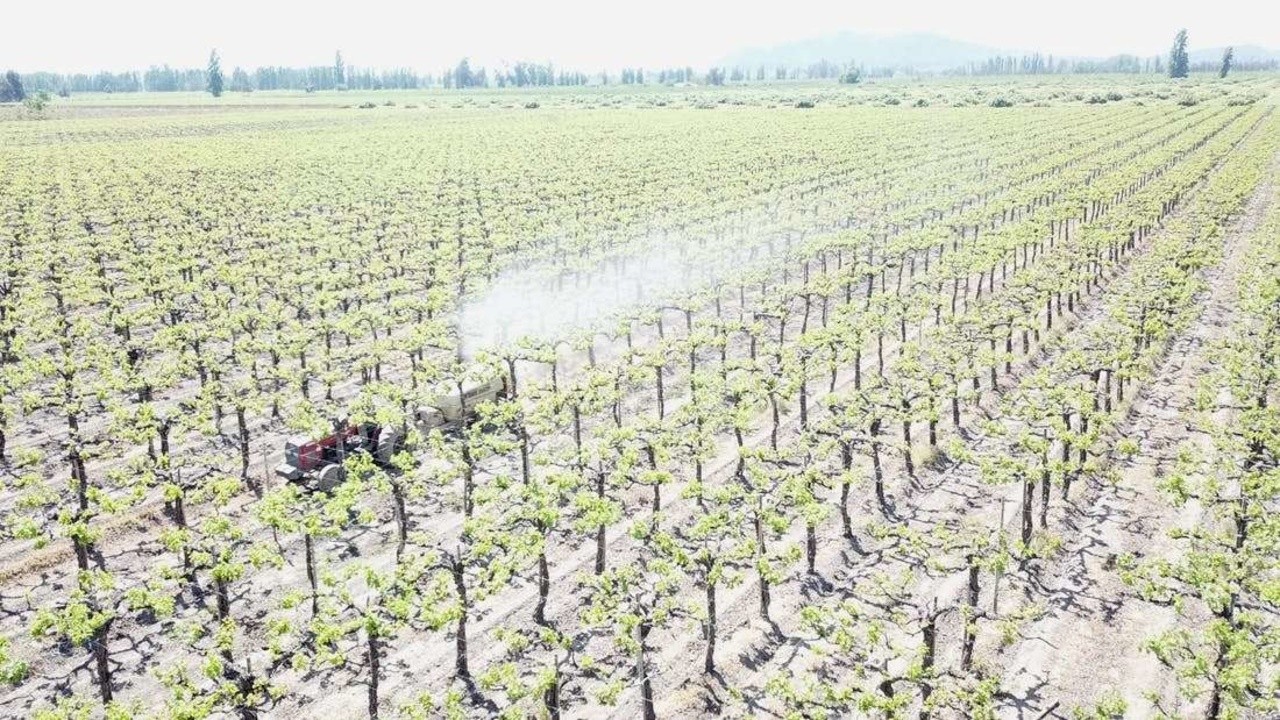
x=321 y=460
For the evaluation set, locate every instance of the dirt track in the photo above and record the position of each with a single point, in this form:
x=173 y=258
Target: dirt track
x=1089 y=643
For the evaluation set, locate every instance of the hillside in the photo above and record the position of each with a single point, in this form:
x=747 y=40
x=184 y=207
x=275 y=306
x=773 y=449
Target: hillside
x=922 y=51
x=1242 y=53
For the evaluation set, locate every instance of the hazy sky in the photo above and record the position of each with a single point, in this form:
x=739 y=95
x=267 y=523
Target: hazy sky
x=82 y=35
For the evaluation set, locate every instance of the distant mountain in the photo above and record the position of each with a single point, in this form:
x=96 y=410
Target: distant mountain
x=1242 y=53
x=922 y=51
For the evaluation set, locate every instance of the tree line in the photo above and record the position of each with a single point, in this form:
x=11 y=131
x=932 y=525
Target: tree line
x=526 y=74
x=341 y=76
x=1036 y=64
x=165 y=78
x=465 y=74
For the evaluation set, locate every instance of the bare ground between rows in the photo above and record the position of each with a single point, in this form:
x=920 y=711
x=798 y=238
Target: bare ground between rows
x=681 y=648
x=266 y=434
x=1089 y=643
x=416 y=667
x=521 y=598
x=756 y=647
x=266 y=446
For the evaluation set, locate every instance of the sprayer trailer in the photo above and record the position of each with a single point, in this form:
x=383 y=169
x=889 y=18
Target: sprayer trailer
x=318 y=464
x=451 y=408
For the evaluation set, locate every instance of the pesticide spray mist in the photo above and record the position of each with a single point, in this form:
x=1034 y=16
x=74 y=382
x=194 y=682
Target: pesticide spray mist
x=549 y=303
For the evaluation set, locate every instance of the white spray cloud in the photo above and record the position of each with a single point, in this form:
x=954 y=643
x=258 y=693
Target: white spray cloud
x=547 y=302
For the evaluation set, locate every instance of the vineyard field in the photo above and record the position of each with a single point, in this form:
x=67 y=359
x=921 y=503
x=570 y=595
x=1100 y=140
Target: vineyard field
x=936 y=398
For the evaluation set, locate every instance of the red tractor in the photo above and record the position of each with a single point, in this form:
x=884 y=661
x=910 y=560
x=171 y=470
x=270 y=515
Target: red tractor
x=318 y=464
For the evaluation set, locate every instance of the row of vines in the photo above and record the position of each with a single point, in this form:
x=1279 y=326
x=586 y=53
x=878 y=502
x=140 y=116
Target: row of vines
x=774 y=480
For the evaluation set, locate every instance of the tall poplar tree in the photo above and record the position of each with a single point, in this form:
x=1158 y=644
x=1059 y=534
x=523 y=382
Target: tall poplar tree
x=1179 y=65
x=215 y=74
